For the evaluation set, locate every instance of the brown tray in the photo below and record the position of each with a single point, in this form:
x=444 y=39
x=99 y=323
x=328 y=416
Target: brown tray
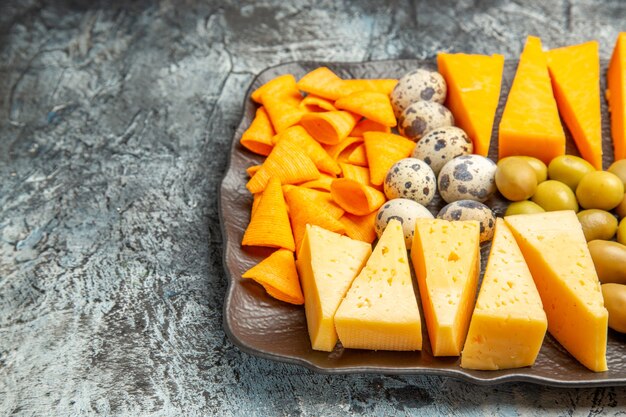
x=265 y=327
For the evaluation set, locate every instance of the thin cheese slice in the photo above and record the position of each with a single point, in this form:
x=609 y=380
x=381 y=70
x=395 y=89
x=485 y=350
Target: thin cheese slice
x=508 y=324
x=328 y=263
x=380 y=310
x=473 y=93
x=575 y=73
x=556 y=252
x=616 y=94
x=446 y=260
x=530 y=123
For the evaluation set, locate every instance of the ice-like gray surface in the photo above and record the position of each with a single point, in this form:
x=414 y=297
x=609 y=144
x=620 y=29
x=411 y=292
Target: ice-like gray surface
x=115 y=120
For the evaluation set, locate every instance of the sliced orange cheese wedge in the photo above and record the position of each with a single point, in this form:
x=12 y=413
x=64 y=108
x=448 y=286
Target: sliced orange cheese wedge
x=616 y=94
x=530 y=123
x=508 y=324
x=575 y=74
x=473 y=93
x=446 y=260
x=380 y=309
x=327 y=263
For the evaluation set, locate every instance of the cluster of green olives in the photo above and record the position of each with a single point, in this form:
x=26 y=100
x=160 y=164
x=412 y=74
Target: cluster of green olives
x=571 y=183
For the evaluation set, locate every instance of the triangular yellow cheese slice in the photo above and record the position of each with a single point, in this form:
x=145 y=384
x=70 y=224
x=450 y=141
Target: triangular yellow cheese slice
x=380 y=310
x=446 y=260
x=327 y=264
x=557 y=255
x=530 y=123
x=508 y=324
x=575 y=73
x=473 y=93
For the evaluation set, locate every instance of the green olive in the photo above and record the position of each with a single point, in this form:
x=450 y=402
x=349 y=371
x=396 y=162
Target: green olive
x=621 y=232
x=597 y=224
x=516 y=179
x=569 y=169
x=537 y=164
x=620 y=210
x=619 y=168
x=615 y=303
x=609 y=259
x=554 y=195
x=601 y=190
x=523 y=207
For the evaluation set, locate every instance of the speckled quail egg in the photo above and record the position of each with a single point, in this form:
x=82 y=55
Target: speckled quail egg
x=467 y=177
x=411 y=178
x=406 y=212
x=471 y=210
x=439 y=146
x=418 y=85
x=423 y=116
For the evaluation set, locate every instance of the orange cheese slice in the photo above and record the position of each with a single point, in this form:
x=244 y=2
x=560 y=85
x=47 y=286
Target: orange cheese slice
x=473 y=93
x=327 y=264
x=446 y=260
x=380 y=309
x=557 y=255
x=530 y=123
x=616 y=94
x=575 y=73
x=508 y=324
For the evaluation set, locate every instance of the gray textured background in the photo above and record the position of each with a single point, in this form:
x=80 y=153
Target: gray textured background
x=115 y=121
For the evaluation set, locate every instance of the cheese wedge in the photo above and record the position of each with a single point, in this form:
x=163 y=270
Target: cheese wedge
x=616 y=94
x=327 y=265
x=380 y=310
x=473 y=93
x=556 y=252
x=508 y=324
x=530 y=123
x=446 y=259
x=575 y=74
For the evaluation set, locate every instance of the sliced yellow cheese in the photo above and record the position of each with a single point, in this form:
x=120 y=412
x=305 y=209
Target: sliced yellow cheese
x=446 y=259
x=380 y=310
x=508 y=324
x=327 y=264
x=557 y=255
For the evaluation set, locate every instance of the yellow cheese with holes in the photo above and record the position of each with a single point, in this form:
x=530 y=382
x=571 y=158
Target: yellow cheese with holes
x=327 y=265
x=557 y=255
x=446 y=259
x=380 y=310
x=508 y=324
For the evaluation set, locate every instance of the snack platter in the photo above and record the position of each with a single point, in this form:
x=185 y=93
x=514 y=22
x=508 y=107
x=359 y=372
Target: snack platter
x=265 y=327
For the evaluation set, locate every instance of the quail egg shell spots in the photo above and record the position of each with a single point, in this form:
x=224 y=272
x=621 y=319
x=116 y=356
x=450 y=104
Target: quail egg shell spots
x=471 y=210
x=422 y=117
x=411 y=178
x=441 y=145
x=467 y=177
x=418 y=85
x=406 y=212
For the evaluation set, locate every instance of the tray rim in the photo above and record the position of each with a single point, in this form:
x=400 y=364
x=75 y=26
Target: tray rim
x=458 y=374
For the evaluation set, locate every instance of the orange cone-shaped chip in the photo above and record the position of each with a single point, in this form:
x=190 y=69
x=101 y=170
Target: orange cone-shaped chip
x=303 y=210
x=269 y=225
x=360 y=227
x=383 y=150
x=282 y=86
x=258 y=137
x=322 y=183
x=324 y=83
x=278 y=275
x=367 y=125
x=374 y=106
x=355 y=197
x=384 y=86
x=316 y=104
x=329 y=127
x=300 y=137
x=358 y=156
x=287 y=162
